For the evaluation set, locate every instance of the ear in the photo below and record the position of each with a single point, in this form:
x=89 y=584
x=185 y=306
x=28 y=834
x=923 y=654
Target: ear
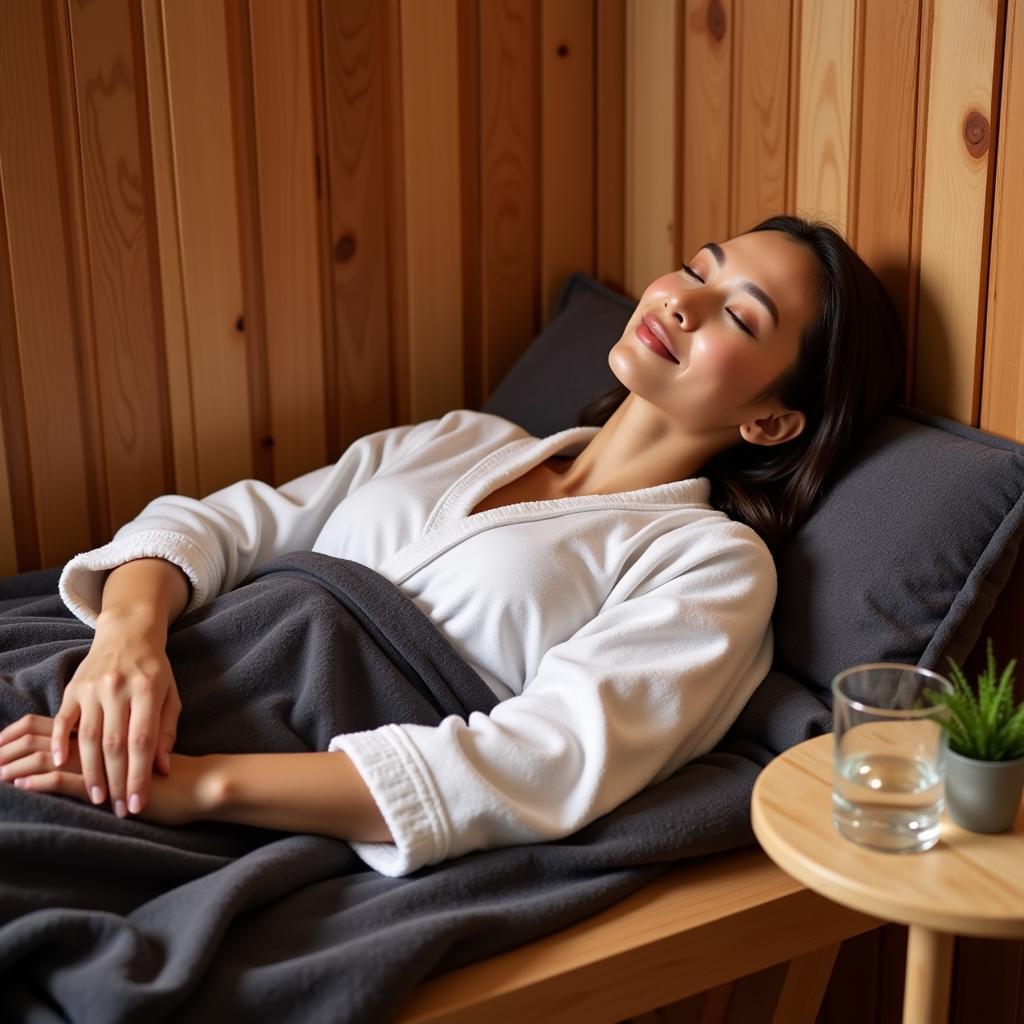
x=774 y=429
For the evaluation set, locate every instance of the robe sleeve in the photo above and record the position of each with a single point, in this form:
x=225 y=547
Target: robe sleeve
x=218 y=540
x=653 y=680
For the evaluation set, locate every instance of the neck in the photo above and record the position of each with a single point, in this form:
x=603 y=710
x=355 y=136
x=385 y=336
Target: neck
x=640 y=447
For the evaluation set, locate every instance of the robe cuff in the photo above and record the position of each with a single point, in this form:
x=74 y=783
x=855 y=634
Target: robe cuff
x=82 y=579
x=404 y=790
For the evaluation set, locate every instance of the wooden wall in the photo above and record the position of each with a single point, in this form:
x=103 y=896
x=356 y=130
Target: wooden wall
x=237 y=234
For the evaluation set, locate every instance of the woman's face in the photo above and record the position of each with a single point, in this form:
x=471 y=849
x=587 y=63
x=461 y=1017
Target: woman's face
x=732 y=317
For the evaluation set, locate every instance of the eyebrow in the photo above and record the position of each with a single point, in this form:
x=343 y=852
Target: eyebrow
x=748 y=286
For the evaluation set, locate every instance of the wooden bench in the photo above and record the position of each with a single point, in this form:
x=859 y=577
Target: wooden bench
x=706 y=923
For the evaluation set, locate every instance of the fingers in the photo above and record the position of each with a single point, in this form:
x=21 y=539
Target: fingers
x=62 y=783
x=168 y=731
x=24 y=726
x=63 y=722
x=115 y=755
x=142 y=740
x=90 y=735
x=26 y=755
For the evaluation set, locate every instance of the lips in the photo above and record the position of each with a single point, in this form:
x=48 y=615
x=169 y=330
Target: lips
x=654 y=336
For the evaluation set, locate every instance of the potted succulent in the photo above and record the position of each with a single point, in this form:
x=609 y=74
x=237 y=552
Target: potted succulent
x=985 y=759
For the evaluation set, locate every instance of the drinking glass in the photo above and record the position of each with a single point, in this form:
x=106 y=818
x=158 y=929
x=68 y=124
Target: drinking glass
x=890 y=756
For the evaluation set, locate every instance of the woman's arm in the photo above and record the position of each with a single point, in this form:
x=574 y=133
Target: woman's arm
x=316 y=792
x=321 y=792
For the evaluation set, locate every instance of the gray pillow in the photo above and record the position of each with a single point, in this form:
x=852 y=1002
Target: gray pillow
x=567 y=363
x=902 y=560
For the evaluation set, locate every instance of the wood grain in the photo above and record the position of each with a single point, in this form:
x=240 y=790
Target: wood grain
x=567 y=146
x=760 y=111
x=19 y=543
x=122 y=278
x=359 y=49
x=705 y=145
x=1002 y=402
x=195 y=34
x=46 y=327
x=610 y=130
x=955 y=207
x=8 y=551
x=651 y=102
x=825 y=110
x=968 y=884
x=510 y=161
x=675 y=937
x=285 y=150
x=166 y=230
x=884 y=132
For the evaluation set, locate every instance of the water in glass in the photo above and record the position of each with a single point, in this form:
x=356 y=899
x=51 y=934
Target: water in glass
x=892 y=802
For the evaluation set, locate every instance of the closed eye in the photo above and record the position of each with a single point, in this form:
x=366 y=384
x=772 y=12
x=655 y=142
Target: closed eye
x=739 y=323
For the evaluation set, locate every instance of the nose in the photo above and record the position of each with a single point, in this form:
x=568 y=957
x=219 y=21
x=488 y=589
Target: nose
x=682 y=310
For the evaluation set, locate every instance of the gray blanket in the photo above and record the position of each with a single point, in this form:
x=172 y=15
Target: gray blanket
x=105 y=920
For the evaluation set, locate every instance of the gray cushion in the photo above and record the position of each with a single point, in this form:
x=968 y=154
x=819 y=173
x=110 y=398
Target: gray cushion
x=567 y=363
x=903 y=558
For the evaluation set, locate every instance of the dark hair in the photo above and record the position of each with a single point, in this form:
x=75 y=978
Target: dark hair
x=850 y=365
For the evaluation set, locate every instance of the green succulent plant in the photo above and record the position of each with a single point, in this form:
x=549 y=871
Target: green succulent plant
x=986 y=727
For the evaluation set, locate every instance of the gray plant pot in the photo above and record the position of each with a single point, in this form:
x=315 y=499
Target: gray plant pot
x=983 y=796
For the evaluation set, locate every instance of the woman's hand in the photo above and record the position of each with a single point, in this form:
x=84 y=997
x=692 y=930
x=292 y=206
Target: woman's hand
x=188 y=793
x=124 y=702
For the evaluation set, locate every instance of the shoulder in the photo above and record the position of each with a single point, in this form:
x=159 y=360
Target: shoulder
x=466 y=429
x=707 y=549
x=736 y=546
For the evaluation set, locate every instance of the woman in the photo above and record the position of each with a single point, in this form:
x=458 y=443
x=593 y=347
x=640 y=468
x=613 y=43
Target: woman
x=612 y=583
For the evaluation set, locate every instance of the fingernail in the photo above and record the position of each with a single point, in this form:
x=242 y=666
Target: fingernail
x=57 y=756
x=97 y=795
x=120 y=809
x=19 y=782
x=135 y=803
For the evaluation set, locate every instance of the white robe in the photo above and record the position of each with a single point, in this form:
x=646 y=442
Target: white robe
x=622 y=633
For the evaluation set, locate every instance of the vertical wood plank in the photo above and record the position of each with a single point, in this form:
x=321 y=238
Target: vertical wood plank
x=204 y=166
x=924 y=54
x=825 y=110
x=470 y=176
x=395 y=161
x=880 y=228
x=1002 y=406
x=567 y=145
x=955 y=207
x=432 y=195
x=793 y=132
x=168 y=241
x=122 y=277
x=651 y=61
x=710 y=28
x=8 y=550
x=45 y=329
x=19 y=542
x=610 y=114
x=510 y=182
x=760 y=112
x=252 y=326
x=285 y=151
x=68 y=141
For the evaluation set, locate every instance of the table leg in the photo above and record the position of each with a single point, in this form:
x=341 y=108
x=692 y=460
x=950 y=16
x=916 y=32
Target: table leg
x=929 y=970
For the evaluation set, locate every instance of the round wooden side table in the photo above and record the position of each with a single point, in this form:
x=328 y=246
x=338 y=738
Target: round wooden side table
x=969 y=883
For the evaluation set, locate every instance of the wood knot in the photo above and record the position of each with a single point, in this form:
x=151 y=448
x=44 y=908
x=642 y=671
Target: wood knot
x=267 y=442
x=344 y=248
x=976 y=133
x=240 y=324
x=716 y=20
x=563 y=50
